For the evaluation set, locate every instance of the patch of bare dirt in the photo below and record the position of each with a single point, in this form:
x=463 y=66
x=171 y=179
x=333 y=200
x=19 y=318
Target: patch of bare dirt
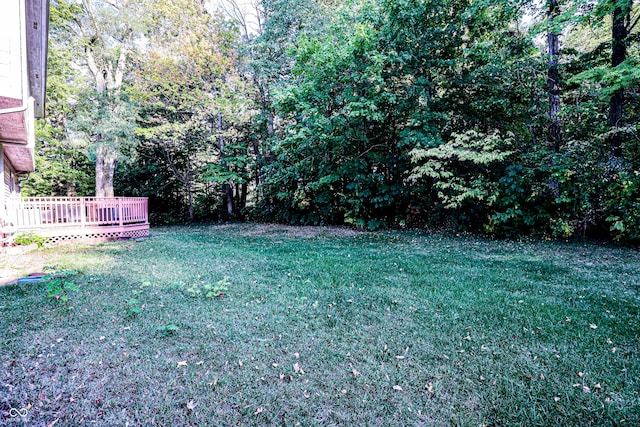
x=14 y=265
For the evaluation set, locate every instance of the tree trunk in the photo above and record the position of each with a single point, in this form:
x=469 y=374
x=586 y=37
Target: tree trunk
x=105 y=170
x=227 y=188
x=267 y=155
x=71 y=189
x=619 y=32
x=259 y=161
x=189 y=189
x=243 y=195
x=553 y=77
x=228 y=192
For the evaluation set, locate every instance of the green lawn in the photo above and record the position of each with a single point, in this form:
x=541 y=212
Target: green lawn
x=326 y=327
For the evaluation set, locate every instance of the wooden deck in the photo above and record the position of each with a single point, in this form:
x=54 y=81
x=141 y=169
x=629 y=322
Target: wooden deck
x=70 y=218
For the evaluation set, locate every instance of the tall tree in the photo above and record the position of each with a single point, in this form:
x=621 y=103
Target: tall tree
x=553 y=74
x=621 y=27
x=103 y=33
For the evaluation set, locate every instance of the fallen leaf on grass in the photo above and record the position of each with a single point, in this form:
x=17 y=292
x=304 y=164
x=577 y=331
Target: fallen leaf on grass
x=258 y=411
x=597 y=386
x=397 y=388
x=297 y=369
x=355 y=373
x=429 y=387
x=593 y=326
x=586 y=389
x=182 y=363
x=191 y=405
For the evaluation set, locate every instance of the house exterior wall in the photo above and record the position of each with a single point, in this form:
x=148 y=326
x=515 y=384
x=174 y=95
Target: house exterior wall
x=2 y=193
x=11 y=186
x=11 y=72
x=16 y=103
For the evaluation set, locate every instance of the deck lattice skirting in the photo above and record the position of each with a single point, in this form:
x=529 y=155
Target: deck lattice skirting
x=59 y=219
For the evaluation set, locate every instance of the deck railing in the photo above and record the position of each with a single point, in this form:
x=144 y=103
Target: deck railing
x=48 y=212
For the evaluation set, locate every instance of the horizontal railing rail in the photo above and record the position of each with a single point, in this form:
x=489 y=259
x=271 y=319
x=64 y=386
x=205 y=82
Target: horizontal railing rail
x=46 y=212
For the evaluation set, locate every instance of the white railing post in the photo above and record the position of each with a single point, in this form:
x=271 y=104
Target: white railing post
x=120 y=212
x=83 y=212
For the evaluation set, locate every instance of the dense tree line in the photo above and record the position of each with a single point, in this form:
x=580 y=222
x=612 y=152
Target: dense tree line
x=506 y=117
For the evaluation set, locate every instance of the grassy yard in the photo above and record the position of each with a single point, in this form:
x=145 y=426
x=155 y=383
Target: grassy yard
x=269 y=325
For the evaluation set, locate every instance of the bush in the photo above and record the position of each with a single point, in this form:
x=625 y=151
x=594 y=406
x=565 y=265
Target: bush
x=25 y=239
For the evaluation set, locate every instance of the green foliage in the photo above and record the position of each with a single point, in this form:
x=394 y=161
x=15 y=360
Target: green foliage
x=134 y=307
x=29 y=238
x=192 y=117
x=624 y=207
x=338 y=161
x=369 y=113
x=60 y=286
x=460 y=166
x=512 y=213
x=105 y=122
x=624 y=76
x=62 y=167
x=167 y=330
x=208 y=290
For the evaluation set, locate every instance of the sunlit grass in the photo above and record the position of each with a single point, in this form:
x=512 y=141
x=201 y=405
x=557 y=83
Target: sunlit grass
x=328 y=327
